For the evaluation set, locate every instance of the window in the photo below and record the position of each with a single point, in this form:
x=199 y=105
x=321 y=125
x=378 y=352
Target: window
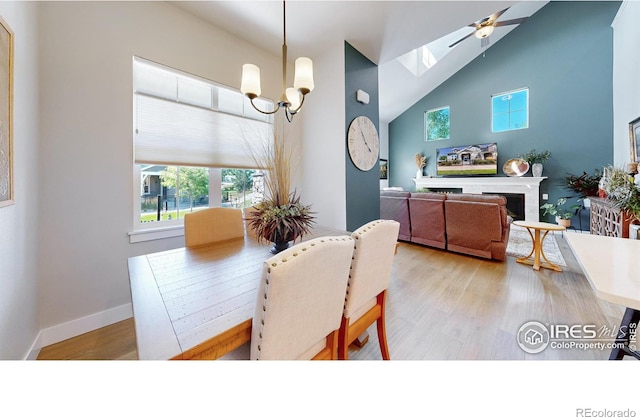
x=191 y=141
x=437 y=123
x=510 y=110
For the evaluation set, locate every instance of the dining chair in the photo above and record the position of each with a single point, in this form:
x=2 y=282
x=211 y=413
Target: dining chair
x=300 y=300
x=375 y=246
x=211 y=225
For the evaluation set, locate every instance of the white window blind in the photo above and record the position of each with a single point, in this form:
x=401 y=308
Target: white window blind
x=176 y=122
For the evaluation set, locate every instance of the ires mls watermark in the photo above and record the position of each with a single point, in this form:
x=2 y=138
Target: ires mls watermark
x=590 y=412
x=534 y=337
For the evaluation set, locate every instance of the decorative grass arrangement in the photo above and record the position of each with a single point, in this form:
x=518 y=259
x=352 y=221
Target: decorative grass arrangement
x=280 y=217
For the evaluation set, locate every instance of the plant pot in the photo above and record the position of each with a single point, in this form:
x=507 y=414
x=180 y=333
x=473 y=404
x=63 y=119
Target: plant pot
x=563 y=222
x=279 y=247
x=536 y=170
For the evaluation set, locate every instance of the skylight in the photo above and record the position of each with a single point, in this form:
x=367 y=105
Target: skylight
x=421 y=59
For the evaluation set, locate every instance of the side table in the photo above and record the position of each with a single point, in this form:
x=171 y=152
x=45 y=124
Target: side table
x=533 y=258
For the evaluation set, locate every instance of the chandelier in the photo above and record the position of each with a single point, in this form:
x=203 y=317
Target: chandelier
x=292 y=98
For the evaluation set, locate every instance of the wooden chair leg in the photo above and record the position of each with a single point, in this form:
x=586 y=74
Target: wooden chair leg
x=380 y=324
x=343 y=339
x=330 y=351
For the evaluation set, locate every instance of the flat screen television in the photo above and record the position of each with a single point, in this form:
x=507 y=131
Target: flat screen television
x=466 y=160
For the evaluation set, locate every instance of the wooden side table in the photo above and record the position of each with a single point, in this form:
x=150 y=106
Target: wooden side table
x=533 y=258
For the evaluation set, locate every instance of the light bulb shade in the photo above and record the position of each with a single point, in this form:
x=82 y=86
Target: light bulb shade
x=303 y=79
x=250 y=85
x=484 y=32
x=293 y=97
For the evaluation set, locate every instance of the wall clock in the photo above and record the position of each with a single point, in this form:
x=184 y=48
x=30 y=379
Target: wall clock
x=363 y=143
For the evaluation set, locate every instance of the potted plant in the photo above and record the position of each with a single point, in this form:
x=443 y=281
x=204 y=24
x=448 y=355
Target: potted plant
x=281 y=217
x=585 y=185
x=536 y=159
x=562 y=214
x=623 y=192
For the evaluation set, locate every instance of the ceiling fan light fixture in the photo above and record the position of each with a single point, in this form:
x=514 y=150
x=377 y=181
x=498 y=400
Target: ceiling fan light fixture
x=484 y=31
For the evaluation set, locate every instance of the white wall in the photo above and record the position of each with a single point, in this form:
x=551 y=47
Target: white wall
x=19 y=222
x=324 y=140
x=86 y=145
x=626 y=82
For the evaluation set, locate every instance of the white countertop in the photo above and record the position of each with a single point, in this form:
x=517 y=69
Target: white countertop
x=611 y=264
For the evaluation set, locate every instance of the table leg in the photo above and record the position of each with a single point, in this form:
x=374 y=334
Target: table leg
x=548 y=263
x=536 y=248
x=536 y=252
x=627 y=335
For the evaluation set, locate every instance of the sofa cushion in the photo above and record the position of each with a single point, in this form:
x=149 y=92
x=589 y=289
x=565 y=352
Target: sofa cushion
x=394 y=205
x=426 y=211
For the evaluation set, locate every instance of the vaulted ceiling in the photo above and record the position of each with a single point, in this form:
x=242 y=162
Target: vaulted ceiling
x=381 y=30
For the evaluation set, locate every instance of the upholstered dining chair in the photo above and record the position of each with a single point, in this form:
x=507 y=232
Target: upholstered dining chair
x=211 y=225
x=375 y=247
x=300 y=300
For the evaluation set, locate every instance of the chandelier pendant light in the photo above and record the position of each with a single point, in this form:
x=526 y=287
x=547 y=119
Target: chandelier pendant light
x=292 y=98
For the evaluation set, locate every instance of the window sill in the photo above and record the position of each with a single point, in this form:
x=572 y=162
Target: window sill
x=145 y=235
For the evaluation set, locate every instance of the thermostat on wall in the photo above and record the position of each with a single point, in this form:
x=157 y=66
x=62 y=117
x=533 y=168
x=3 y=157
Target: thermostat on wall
x=362 y=97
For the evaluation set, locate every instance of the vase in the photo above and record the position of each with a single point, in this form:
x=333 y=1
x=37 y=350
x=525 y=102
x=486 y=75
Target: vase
x=419 y=173
x=279 y=246
x=536 y=170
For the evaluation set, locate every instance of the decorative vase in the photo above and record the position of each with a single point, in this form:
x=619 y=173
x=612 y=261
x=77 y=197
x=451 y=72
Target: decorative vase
x=419 y=173
x=279 y=246
x=536 y=170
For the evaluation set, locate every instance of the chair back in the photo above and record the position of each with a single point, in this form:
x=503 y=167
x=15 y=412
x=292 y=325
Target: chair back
x=212 y=225
x=375 y=246
x=300 y=299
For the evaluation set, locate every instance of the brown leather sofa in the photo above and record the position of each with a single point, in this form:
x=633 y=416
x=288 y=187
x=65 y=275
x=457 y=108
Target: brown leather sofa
x=473 y=224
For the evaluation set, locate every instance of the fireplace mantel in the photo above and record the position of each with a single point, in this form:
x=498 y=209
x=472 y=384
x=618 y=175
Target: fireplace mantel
x=529 y=186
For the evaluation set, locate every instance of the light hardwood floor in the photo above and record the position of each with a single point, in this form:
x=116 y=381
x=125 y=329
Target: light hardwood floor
x=440 y=306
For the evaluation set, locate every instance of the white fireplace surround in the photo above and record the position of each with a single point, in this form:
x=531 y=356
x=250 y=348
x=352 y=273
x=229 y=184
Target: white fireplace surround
x=529 y=186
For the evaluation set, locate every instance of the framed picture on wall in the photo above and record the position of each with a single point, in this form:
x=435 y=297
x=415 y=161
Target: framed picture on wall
x=6 y=114
x=634 y=134
x=437 y=123
x=384 y=169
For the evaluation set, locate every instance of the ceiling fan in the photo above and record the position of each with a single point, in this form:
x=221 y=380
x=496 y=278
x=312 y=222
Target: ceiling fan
x=485 y=27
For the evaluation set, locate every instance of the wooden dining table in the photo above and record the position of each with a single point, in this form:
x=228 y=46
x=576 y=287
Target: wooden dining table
x=198 y=303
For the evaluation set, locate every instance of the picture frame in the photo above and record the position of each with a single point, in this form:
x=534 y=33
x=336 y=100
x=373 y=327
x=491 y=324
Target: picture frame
x=437 y=124
x=6 y=114
x=384 y=169
x=634 y=134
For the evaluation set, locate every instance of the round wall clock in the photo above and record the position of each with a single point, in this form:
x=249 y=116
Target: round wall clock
x=363 y=143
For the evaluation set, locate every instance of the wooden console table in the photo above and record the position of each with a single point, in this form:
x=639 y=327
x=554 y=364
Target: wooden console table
x=607 y=220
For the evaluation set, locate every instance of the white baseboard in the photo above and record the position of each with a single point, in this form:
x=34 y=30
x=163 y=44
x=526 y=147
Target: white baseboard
x=79 y=326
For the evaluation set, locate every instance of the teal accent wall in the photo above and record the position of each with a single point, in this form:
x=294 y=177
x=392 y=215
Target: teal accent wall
x=362 y=188
x=564 y=55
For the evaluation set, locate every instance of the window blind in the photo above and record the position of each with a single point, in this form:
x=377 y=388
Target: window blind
x=178 y=122
x=170 y=133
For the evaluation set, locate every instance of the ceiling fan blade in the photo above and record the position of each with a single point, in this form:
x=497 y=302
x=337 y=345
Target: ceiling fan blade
x=496 y=15
x=460 y=40
x=510 y=22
